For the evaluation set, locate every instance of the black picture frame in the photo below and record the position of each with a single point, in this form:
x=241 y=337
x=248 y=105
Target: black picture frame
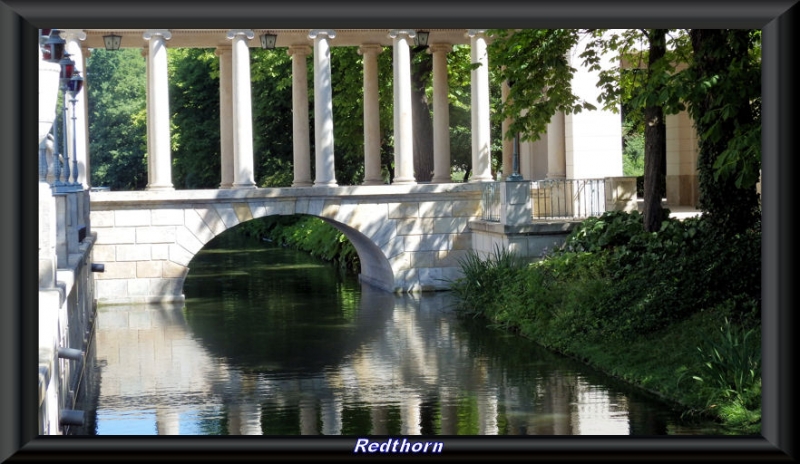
x=19 y=21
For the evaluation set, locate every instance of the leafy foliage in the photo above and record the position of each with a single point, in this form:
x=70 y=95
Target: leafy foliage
x=115 y=85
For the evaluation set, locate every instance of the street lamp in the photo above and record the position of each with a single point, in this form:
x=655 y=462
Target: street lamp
x=112 y=42
x=268 y=41
x=514 y=176
x=53 y=48
x=74 y=86
x=67 y=71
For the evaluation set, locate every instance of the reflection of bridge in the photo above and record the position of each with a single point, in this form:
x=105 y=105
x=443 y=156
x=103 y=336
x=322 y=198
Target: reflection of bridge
x=408 y=238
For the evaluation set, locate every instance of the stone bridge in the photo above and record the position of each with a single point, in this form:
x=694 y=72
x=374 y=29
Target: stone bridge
x=408 y=237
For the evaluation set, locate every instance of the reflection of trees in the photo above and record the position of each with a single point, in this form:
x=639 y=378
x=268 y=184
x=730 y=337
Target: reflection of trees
x=393 y=365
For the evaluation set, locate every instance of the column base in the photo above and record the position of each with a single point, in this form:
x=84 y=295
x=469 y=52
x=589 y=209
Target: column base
x=244 y=186
x=441 y=180
x=372 y=182
x=160 y=187
x=397 y=181
x=225 y=186
x=326 y=184
x=473 y=180
x=302 y=184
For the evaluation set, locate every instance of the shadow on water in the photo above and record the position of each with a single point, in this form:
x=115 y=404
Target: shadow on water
x=271 y=341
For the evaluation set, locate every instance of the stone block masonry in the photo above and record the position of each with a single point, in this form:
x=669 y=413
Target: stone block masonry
x=409 y=237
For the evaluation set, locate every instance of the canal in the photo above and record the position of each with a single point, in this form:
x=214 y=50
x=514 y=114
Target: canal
x=271 y=341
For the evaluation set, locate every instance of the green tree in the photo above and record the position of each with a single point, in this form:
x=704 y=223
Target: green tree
x=723 y=92
x=194 y=103
x=115 y=86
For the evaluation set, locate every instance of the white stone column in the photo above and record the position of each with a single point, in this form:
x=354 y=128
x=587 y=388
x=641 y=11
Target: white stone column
x=226 y=149
x=372 y=137
x=242 y=110
x=76 y=142
x=441 y=114
x=481 y=154
x=158 y=110
x=556 y=153
x=149 y=123
x=323 y=108
x=300 y=136
x=403 y=126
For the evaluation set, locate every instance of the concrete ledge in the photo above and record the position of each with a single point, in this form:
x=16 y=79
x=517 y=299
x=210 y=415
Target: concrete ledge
x=535 y=228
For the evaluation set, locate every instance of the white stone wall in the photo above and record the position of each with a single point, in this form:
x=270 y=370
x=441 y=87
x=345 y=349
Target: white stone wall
x=409 y=238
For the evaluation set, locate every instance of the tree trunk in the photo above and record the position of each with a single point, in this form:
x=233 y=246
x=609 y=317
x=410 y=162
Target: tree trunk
x=655 y=143
x=421 y=115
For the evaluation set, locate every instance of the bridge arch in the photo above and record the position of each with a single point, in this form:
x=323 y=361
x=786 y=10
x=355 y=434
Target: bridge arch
x=408 y=238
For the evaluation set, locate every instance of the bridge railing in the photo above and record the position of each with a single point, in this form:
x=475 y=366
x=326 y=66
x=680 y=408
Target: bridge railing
x=514 y=203
x=490 y=201
x=567 y=198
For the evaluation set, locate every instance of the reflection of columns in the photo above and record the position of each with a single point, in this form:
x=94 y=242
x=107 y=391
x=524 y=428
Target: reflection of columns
x=225 y=117
x=331 y=409
x=244 y=419
x=508 y=144
x=487 y=413
x=167 y=422
x=242 y=111
x=441 y=114
x=79 y=154
x=158 y=110
x=308 y=417
x=323 y=109
x=481 y=156
x=300 y=136
x=379 y=417
x=556 y=154
x=403 y=137
x=410 y=415
x=372 y=139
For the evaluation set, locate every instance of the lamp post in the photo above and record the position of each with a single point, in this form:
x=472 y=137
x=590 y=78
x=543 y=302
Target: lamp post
x=74 y=86
x=67 y=71
x=514 y=176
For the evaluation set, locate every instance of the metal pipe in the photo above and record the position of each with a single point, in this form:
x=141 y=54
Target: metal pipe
x=97 y=267
x=70 y=353
x=72 y=417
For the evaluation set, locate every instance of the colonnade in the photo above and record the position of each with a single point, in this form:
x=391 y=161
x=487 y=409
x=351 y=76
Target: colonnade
x=236 y=122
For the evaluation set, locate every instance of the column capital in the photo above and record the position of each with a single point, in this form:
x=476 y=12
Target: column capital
x=222 y=49
x=314 y=33
x=364 y=49
x=410 y=33
x=440 y=47
x=301 y=50
x=476 y=32
x=87 y=52
x=73 y=34
x=248 y=33
x=150 y=33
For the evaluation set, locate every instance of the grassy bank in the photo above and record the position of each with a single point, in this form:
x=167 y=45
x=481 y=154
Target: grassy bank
x=675 y=312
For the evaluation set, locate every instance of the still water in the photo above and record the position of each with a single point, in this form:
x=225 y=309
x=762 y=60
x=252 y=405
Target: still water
x=271 y=341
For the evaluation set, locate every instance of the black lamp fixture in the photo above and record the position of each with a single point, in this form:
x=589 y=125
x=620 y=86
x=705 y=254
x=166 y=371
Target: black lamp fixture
x=53 y=48
x=112 y=41
x=421 y=39
x=67 y=69
x=268 y=41
x=75 y=83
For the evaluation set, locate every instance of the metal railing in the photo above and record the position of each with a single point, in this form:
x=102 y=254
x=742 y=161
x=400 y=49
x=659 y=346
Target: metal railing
x=567 y=198
x=490 y=201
